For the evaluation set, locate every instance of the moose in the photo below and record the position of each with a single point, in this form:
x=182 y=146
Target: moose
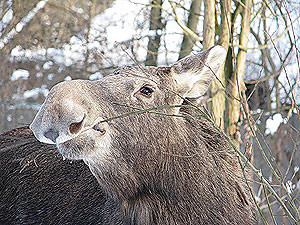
x=140 y=153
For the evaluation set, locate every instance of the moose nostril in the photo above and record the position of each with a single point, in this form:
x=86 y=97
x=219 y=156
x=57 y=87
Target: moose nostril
x=51 y=135
x=76 y=127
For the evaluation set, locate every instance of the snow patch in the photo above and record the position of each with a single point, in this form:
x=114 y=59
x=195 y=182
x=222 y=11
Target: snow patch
x=50 y=76
x=34 y=93
x=19 y=74
x=47 y=65
x=68 y=78
x=95 y=76
x=7 y=16
x=21 y=24
x=258 y=199
x=9 y=118
x=273 y=123
x=37 y=67
x=39 y=74
x=290 y=186
x=60 y=69
x=113 y=17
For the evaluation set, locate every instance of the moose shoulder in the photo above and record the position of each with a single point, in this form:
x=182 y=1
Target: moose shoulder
x=38 y=187
x=155 y=168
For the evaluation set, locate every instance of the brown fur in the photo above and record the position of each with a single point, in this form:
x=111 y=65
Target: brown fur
x=181 y=173
x=159 y=169
x=38 y=187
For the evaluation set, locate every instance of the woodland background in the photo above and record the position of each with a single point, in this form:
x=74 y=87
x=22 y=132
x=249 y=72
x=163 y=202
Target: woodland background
x=255 y=101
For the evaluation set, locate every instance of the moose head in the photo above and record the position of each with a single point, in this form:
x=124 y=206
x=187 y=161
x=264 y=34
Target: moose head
x=130 y=129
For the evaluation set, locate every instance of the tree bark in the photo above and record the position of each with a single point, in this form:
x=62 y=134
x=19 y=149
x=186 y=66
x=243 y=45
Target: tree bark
x=225 y=28
x=209 y=24
x=91 y=14
x=188 y=42
x=225 y=38
x=217 y=97
x=156 y=26
x=237 y=79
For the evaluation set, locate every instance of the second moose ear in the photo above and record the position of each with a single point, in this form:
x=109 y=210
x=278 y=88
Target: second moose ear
x=194 y=73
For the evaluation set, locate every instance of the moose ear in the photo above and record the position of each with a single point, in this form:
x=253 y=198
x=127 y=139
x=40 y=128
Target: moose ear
x=194 y=73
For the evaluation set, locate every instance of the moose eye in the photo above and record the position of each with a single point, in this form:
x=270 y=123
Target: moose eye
x=146 y=91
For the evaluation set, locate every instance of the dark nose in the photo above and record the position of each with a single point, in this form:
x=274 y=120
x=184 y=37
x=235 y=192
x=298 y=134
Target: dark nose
x=51 y=134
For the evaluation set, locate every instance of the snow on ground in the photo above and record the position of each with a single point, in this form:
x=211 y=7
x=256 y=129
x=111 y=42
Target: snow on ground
x=47 y=65
x=51 y=76
x=95 y=76
x=68 y=78
x=25 y=20
x=19 y=74
x=70 y=53
x=290 y=186
x=7 y=16
x=35 y=92
x=113 y=20
x=119 y=26
x=273 y=123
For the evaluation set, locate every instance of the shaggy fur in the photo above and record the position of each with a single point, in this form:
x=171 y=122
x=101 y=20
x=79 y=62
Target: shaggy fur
x=38 y=187
x=182 y=173
x=158 y=169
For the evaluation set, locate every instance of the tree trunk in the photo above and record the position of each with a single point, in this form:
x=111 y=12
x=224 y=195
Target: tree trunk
x=156 y=26
x=187 y=42
x=225 y=28
x=225 y=39
x=91 y=14
x=237 y=79
x=218 y=99
x=209 y=24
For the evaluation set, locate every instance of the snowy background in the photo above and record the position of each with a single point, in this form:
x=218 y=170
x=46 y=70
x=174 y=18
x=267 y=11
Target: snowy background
x=46 y=42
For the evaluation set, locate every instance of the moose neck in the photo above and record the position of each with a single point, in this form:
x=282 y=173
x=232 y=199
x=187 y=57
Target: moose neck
x=149 y=207
x=176 y=182
x=156 y=204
